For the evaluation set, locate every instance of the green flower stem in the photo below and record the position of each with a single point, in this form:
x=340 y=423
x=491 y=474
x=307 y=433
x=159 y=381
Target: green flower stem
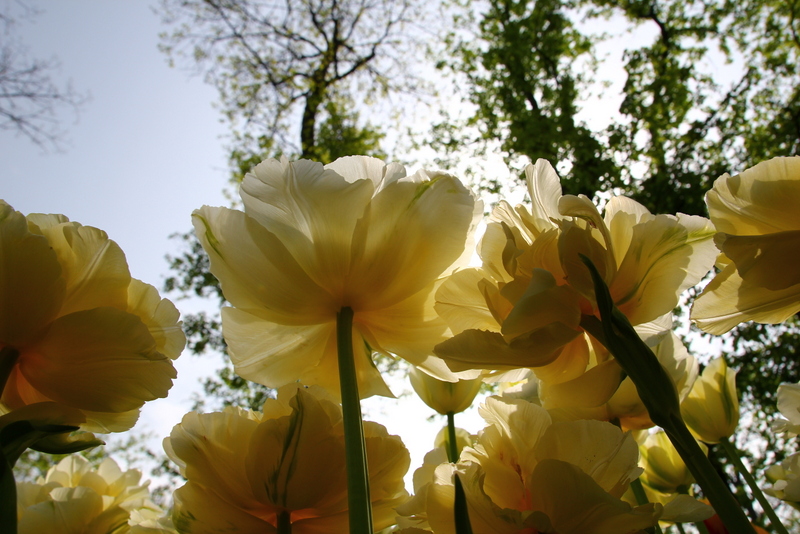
x=680 y=528
x=360 y=506
x=460 y=508
x=8 y=358
x=452 y=447
x=733 y=456
x=284 y=523
x=641 y=499
x=658 y=394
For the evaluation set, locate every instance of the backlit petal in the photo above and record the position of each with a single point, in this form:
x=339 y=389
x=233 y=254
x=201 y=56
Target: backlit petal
x=32 y=287
x=101 y=360
x=256 y=270
x=312 y=210
x=761 y=200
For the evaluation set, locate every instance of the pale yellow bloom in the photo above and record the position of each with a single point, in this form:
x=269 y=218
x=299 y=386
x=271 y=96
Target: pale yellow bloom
x=81 y=331
x=664 y=469
x=74 y=498
x=758 y=221
x=785 y=479
x=444 y=397
x=528 y=475
x=525 y=305
x=789 y=406
x=355 y=233
x=245 y=469
x=711 y=410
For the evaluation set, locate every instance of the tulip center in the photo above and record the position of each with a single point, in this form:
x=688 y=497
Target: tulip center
x=284 y=522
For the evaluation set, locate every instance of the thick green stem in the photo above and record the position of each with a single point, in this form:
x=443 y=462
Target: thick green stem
x=8 y=358
x=452 y=446
x=284 y=523
x=733 y=456
x=460 y=508
x=360 y=506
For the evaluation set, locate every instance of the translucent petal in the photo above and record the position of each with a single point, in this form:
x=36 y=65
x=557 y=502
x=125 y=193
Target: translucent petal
x=462 y=305
x=729 y=300
x=409 y=235
x=102 y=360
x=313 y=211
x=256 y=270
x=95 y=268
x=32 y=288
x=211 y=451
x=273 y=354
x=160 y=316
x=666 y=256
x=761 y=200
x=576 y=504
x=770 y=261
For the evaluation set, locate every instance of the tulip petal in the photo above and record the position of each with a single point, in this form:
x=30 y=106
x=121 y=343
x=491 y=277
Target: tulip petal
x=256 y=270
x=94 y=267
x=729 y=300
x=461 y=303
x=409 y=235
x=312 y=210
x=760 y=200
x=102 y=360
x=479 y=349
x=666 y=256
x=274 y=354
x=770 y=261
x=208 y=449
x=591 y=389
x=199 y=510
x=598 y=448
x=32 y=287
x=160 y=316
x=576 y=504
x=544 y=187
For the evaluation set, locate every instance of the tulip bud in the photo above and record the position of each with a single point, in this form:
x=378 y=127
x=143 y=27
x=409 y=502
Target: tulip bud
x=711 y=410
x=444 y=397
x=664 y=469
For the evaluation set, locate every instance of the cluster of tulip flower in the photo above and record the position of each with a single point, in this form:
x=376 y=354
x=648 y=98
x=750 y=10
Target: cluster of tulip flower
x=569 y=311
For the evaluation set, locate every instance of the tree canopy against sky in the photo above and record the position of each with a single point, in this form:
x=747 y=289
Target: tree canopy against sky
x=30 y=98
x=530 y=68
x=289 y=73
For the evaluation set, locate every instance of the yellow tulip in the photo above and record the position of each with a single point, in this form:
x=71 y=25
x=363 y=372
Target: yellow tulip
x=246 y=471
x=75 y=328
x=74 y=498
x=785 y=480
x=444 y=397
x=789 y=406
x=711 y=410
x=524 y=306
x=526 y=475
x=355 y=233
x=664 y=469
x=756 y=215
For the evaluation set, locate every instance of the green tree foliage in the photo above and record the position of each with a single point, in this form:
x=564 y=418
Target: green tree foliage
x=529 y=68
x=278 y=66
x=288 y=74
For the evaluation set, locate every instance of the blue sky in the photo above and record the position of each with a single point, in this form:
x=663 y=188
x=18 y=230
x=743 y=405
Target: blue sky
x=146 y=149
